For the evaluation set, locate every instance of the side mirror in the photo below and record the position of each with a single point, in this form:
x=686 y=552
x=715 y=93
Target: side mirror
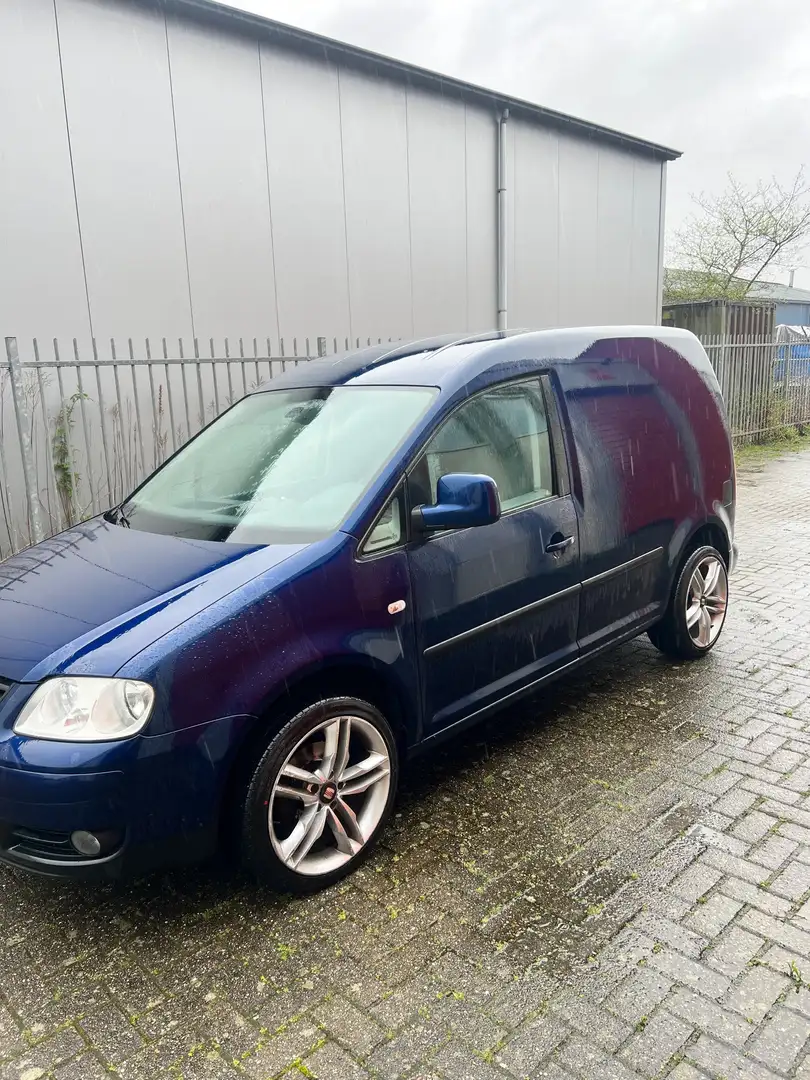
x=464 y=502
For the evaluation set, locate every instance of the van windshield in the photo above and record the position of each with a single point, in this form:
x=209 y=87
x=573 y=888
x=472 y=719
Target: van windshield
x=280 y=466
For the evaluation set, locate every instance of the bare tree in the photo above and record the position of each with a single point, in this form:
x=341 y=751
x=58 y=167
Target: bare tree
x=729 y=242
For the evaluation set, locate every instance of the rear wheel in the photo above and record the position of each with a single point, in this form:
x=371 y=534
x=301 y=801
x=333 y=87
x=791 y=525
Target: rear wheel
x=697 y=609
x=319 y=796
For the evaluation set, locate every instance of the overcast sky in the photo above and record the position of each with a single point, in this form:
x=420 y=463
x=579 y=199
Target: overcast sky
x=725 y=81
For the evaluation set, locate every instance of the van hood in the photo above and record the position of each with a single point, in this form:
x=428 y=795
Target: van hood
x=79 y=584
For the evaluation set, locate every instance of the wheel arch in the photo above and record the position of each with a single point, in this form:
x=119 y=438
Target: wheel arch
x=350 y=676
x=712 y=532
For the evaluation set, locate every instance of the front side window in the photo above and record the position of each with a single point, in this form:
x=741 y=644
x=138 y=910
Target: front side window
x=501 y=433
x=280 y=465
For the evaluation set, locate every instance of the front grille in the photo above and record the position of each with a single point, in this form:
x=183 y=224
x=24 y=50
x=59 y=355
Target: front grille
x=4 y=688
x=40 y=844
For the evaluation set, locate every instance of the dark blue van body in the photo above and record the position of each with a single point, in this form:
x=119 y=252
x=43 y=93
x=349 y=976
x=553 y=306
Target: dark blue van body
x=226 y=632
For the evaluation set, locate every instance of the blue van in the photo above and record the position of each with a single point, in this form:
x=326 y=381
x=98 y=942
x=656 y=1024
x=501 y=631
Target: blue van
x=364 y=557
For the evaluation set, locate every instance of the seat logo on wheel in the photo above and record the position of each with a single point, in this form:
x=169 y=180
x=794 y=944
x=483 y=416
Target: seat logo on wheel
x=328 y=792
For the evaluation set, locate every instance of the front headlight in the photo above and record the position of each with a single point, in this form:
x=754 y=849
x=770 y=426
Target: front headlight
x=85 y=709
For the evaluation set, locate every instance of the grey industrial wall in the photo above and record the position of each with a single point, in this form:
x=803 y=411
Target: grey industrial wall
x=159 y=177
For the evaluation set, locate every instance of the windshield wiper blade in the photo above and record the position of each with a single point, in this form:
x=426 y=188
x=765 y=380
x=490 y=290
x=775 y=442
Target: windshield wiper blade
x=116 y=516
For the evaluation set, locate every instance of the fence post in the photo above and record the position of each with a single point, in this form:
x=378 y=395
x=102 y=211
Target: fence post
x=24 y=432
x=321 y=346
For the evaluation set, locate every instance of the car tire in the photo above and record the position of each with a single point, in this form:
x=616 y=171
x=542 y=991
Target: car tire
x=696 y=613
x=319 y=796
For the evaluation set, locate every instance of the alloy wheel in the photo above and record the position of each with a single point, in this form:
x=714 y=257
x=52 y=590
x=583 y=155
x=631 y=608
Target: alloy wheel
x=706 y=602
x=329 y=795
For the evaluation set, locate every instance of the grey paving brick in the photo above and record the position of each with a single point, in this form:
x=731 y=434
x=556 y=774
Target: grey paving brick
x=754 y=995
x=406 y=1050
x=773 y=852
x=470 y=1026
x=651 y=1048
x=755 y=772
x=793 y=882
x=349 y=1026
x=534 y=1042
x=112 y=1034
x=709 y=919
x=799 y=779
x=770 y=791
x=753 y=729
x=684 y=1071
x=795 y=832
x=639 y=994
x=51 y=1052
x=695 y=881
x=779 y=1043
x=550 y=1070
x=753 y=826
x=11 y=1037
x=785 y=760
x=521 y=997
x=721 y=1061
x=795 y=997
x=731 y=865
x=397 y=1006
x=731 y=952
x=690 y=972
x=592 y=1020
x=753 y=895
x=331 y=1062
x=802 y=917
x=588 y=1061
x=767 y=743
x=781 y=933
x=723 y=841
x=735 y=802
x=709 y=1017
x=454 y=1060
x=790 y=813
x=679 y=937
x=159 y=1056
x=278 y=1052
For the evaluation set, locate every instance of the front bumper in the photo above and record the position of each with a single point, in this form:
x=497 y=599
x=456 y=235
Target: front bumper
x=26 y=849
x=160 y=796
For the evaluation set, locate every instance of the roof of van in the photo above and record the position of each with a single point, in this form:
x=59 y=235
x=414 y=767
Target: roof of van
x=453 y=360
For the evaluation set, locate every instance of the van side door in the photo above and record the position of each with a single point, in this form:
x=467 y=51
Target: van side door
x=496 y=606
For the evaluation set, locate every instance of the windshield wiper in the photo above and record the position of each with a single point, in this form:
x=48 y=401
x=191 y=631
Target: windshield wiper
x=116 y=516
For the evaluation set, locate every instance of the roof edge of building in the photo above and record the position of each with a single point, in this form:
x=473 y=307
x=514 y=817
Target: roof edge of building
x=308 y=42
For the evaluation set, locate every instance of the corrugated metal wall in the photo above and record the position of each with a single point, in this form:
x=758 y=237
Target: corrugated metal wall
x=793 y=314
x=163 y=178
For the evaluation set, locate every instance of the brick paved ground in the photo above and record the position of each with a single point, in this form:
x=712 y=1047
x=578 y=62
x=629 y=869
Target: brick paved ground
x=611 y=882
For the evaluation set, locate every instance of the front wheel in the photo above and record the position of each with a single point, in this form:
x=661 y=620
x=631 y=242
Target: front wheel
x=697 y=608
x=319 y=796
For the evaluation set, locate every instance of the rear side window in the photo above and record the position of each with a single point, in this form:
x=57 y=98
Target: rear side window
x=502 y=433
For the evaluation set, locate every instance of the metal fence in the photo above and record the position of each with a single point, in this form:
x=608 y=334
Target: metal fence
x=79 y=430
x=765 y=384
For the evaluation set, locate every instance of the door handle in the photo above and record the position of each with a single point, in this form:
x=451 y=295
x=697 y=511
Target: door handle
x=559 y=545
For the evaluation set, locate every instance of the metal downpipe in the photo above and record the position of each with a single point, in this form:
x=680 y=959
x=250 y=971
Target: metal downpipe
x=502 y=220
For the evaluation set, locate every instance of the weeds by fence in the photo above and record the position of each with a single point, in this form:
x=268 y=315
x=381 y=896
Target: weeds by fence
x=79 y=434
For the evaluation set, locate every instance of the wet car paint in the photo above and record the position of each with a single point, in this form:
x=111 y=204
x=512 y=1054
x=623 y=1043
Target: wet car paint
x=233 y=629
